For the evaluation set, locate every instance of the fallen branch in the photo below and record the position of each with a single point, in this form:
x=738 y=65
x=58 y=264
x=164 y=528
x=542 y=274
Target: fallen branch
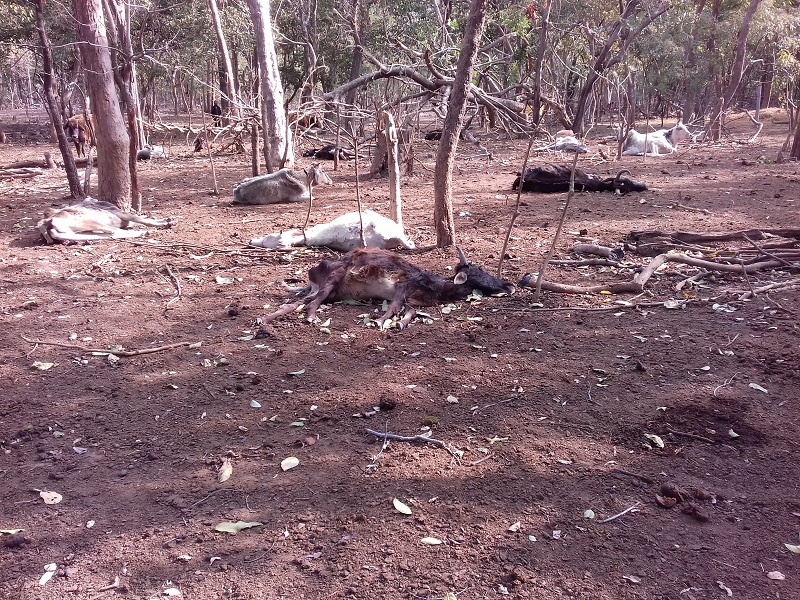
x=644 y=478
x=691 y=436
x=693 y=237
x=640 y=279
x=403 y=438
x=178 y=290
x=122 y=353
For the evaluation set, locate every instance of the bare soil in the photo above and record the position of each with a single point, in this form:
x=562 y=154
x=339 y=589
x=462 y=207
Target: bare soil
x=544 y=413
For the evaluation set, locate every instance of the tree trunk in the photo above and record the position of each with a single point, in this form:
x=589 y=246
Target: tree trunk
x=119 y=27
x=619 y=39
x=113 y=169
x=76 y=191
x=227 y=82
x=539 y=63
x=736 y=71
x=445 y=155
x=277 y=137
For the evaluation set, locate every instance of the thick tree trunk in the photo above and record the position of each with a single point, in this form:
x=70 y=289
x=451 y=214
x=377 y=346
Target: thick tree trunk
x=119 y=29
x=445 y=155
x=76 y=191
x=277 y=137
x=113 y=169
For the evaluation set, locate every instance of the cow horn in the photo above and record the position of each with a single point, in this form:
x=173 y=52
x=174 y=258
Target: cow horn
x=617 y=178
x=462 y=259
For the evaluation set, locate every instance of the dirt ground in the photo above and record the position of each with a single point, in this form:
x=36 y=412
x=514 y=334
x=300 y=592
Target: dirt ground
x=544 y=413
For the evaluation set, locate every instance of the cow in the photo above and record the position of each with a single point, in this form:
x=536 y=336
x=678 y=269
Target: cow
x=343 y=234
x=79 y=133
x=372 y=274
x=663 y=141
x=551 y=179
x=285 y=185
x=91 y=220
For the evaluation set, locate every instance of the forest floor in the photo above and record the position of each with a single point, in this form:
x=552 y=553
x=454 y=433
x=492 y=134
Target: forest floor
x=545 y=412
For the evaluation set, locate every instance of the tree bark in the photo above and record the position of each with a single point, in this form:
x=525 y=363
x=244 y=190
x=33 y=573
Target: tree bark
x=277 y=137
x=539 y=63
x=111 y=136
x=119 y=22
x=617 y=40
x=445 y=155
x=227 y=84
x=48 y=83
x=737 y=70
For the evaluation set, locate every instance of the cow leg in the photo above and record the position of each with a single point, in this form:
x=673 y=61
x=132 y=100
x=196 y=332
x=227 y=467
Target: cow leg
x=397 y=303
x=332 y=282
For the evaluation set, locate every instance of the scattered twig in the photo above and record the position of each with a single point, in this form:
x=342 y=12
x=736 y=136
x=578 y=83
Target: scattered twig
x=480 y=460
x=644 y=478
x=404 y=438
x=690 y=435
x=623 y=513
x=179 y=291
x=480 y=408
x=122 y=353
x=515 y=214
x=212 y=493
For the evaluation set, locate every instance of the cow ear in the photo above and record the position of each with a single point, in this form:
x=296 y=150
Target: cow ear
x=460 y=278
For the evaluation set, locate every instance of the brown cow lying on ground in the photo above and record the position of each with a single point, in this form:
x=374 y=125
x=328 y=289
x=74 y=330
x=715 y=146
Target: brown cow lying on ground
x=79 y=133
x=90 y=220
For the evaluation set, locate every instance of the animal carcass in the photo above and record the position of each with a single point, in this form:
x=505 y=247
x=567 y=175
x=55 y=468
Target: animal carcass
x=343 y=234
x=91 y=220
x=551 y=178
x=285 y=185
x=372 y=274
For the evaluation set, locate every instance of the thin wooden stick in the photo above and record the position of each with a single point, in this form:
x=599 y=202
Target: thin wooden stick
x=515 y=214
x=405 y=438
x=623 y=513
x=179 y=291
x=570 y=194
x=123 y=353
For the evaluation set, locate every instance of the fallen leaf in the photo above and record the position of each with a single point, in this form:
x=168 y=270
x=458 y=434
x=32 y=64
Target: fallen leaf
x=290 y=462
x=757 y=387
x=234 y=528
x=400 y=507
x=514 y=528
x=184 y=557
x=789 y=547
x=297 y=424
x=43 y=366
x=588 y=514
x=431 y=541
x=16 y=531
x=50 y=497
x=49 y=571
x=255 y=404
x=224 y=280
x=656 y=440
x=225 y=470
x=632 y=578
x=171 y=592
x=725 y=588
x=776 y=575
x=296 y=373
x=449 y=596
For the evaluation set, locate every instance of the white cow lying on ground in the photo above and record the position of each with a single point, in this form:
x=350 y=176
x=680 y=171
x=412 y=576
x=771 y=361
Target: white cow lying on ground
x=343 y=234
x=90 y=220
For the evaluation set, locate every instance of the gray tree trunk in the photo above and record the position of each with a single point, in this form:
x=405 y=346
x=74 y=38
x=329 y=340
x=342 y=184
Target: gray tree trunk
x=228 y=90
x=76 y=191
x=277 y=137
x=445 y=155
x=111 y=135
